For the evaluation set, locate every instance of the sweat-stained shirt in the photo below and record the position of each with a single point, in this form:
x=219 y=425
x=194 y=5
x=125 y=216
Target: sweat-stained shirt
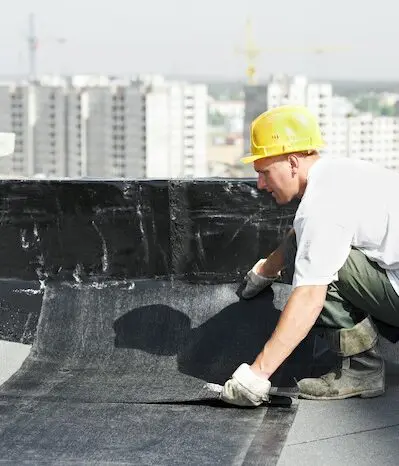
x=347 y=203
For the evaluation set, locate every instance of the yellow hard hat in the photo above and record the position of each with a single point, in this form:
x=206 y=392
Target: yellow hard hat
x=284 y=130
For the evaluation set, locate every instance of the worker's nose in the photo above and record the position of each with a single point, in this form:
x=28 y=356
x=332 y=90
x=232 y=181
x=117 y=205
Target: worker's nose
x=261 y=181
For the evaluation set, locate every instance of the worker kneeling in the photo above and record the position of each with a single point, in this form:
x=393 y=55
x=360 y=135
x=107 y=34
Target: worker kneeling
x=345 y=244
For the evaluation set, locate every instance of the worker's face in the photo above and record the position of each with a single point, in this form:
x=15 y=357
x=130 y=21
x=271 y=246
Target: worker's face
x=276 y=175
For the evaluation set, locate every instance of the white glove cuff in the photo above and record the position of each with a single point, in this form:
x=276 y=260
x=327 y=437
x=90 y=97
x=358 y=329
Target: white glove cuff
x=257 y=278
x=246 y=377
x=257 y=266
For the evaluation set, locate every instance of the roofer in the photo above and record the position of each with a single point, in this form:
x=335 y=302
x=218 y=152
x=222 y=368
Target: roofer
x=346 y=250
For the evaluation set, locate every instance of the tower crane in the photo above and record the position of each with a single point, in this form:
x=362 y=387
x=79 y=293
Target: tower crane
x=33 y=44
x=252 y=52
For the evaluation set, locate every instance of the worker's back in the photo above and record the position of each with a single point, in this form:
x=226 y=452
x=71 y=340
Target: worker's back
x=360 y=196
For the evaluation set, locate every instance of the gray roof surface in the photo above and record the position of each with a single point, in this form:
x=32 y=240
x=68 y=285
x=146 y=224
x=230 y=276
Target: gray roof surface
x=353 y=431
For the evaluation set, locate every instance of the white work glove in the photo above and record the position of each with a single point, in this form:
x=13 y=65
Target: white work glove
x=254 y=283
x=244 y=388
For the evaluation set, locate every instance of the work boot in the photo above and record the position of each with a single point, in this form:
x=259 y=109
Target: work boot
x=361 y=371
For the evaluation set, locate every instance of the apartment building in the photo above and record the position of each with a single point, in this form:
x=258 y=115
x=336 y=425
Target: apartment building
x=48 y=109
x=106 y=130
x=176 y=129
x=102 y=127
x=369 y=137
x=16 y=115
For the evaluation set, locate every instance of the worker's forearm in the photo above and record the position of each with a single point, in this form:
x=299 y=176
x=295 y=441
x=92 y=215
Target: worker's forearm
x=296 y=320
x=276 y=260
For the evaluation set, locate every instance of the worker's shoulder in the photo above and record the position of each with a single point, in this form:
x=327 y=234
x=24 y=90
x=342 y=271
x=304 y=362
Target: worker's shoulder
x=341 y=169
x=344 y=162
x=347 y=184
x=356 y=163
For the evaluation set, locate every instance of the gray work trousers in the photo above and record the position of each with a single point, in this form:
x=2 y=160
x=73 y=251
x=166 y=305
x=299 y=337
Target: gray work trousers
x=362 y=289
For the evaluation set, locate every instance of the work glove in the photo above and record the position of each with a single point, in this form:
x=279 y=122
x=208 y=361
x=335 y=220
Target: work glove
x=254 y=283
x=244 y=388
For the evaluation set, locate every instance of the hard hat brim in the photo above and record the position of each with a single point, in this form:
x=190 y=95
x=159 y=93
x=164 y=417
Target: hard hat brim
x=249 y=158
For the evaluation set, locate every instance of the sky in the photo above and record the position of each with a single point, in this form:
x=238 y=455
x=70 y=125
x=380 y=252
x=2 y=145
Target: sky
x=201 y=38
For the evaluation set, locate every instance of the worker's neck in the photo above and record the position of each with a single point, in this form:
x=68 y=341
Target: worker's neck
x=307 y=163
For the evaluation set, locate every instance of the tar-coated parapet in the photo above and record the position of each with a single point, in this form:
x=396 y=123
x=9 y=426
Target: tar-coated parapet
x=221 y=228
x=202 y=231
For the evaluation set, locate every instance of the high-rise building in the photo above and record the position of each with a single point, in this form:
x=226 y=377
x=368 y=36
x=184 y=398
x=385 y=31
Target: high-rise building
x=48 y=108
x=373 y=138
x=101 y=127
x=16 y=115
x=36 y=114
x=106 y=130
x=176 y=129
x=77 y=110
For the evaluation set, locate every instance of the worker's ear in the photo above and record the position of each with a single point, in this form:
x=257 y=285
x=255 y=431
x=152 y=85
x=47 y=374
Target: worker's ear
x=293 y=160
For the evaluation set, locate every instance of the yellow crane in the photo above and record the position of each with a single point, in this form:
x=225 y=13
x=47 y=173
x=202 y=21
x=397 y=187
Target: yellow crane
x=252 y=52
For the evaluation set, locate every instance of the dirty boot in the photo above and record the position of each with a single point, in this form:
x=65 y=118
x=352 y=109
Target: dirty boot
x=361 y=371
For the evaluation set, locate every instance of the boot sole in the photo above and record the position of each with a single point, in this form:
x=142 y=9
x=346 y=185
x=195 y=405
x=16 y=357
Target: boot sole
x=361 y=394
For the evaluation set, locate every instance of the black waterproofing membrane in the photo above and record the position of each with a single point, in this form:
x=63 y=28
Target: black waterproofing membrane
x=130 y=303
x=118 y=374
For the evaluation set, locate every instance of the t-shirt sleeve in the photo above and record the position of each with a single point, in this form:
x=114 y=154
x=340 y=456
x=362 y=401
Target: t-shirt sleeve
x=323 y=245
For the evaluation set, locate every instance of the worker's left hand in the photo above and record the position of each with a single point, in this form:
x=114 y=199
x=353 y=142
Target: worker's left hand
x=254 y=282
x=244 y=388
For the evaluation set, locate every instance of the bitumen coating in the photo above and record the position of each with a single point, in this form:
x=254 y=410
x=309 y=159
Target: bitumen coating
x=115 y=376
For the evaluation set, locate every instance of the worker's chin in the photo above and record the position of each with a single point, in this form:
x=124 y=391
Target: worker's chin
x=279 y=199
x=276 y=197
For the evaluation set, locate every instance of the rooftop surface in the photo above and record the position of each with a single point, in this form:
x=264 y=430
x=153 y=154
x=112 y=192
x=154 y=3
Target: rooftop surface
x=126 y=291
x=353 y=431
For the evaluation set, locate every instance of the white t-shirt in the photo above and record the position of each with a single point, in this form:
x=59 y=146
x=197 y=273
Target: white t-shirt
x=346 y=203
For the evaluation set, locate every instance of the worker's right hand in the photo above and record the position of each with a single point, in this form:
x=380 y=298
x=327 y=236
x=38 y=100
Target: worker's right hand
x=244 y=388
x=254 y=282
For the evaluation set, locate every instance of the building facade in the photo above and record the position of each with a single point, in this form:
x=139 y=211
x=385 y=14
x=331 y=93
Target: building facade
x=100 y=127
x=176 y=129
